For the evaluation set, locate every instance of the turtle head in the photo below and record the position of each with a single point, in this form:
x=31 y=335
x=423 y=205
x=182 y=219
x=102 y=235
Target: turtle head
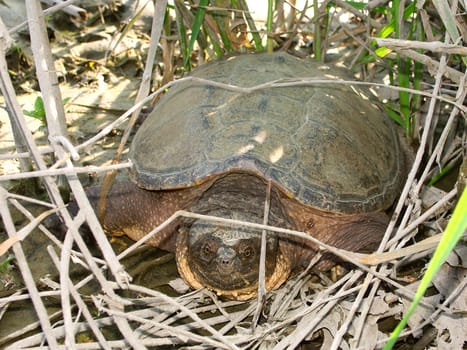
x=225 y=258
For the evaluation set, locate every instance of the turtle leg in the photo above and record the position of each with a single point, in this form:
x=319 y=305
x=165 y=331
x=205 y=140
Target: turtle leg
x=357 y=233
x=360 y=233
x=132 y=211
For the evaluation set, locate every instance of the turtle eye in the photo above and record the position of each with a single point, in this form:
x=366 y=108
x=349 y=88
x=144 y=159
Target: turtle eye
x=208 y=250
x=247 y=252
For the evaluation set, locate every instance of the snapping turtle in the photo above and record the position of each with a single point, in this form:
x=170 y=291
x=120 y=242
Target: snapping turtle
x=333 y=158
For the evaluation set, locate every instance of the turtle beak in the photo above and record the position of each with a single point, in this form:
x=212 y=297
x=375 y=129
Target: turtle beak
x=225 y=260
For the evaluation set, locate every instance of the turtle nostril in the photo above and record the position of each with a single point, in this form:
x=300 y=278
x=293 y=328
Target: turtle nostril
x=225 y=257
x=226 y=261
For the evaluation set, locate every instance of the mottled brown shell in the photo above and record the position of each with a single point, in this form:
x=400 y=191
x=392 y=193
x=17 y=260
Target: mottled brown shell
x=327 y=145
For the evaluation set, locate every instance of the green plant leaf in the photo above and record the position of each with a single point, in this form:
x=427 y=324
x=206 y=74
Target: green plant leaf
x=4 y=264
x=394 y=115
x=382 y=51
x=391 y=26
x=38 y=112
x=357 y=4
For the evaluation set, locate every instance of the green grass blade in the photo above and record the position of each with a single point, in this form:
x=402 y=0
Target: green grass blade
x=442 y=173
x=403 y=68
x=357 y=4
x=394 y=115
x=391 y=26
x=457 y=226
x=197 y=24
x=182 y=32
x=317 y=39
x=241 y=4
x=214 y=42
x=447 y=16
x=222 y=23
x=269 y=42
x=404 y=97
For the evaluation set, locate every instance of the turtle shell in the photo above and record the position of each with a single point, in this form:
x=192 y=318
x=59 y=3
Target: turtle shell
x=328 y=145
